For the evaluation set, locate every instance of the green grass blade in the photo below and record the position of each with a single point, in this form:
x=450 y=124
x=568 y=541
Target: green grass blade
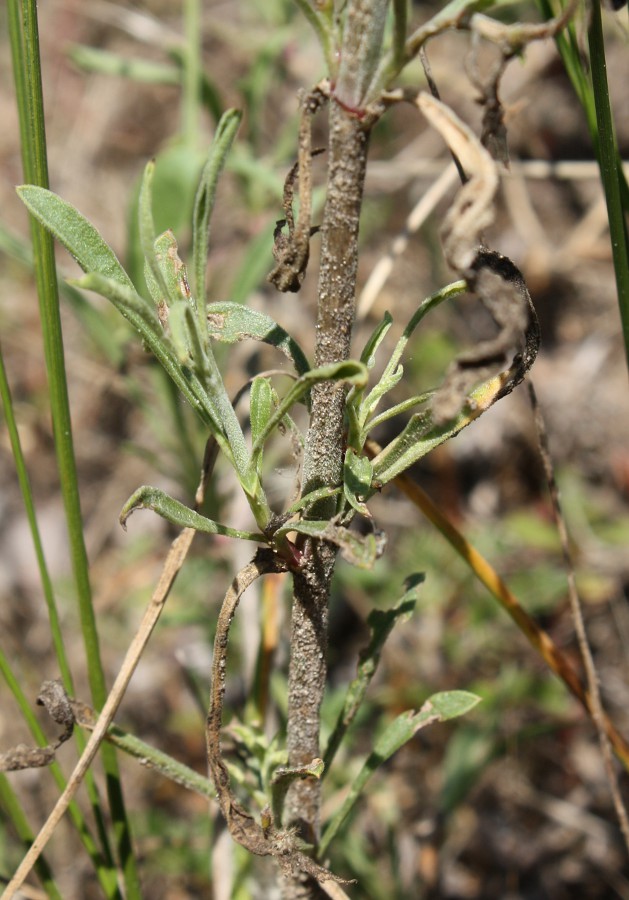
x=29 y=505
x=104 y=868
x=32 y=129
x=611 y=169
x=593 y=92
x=50 y=600
x=53 y=617
x=12 y=806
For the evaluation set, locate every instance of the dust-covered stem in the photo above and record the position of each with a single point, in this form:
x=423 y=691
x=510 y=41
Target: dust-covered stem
x=323 y=462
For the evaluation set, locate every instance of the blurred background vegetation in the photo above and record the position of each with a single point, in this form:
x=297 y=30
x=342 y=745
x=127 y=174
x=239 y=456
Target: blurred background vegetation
x=510 y=801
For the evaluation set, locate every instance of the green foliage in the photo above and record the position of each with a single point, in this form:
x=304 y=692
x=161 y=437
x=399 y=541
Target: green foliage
x=438 y=708
x=181 y=328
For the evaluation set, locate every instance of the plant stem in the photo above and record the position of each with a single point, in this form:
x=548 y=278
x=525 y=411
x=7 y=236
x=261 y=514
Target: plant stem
x=34 y=159
x=323 y=464
x=611 y=171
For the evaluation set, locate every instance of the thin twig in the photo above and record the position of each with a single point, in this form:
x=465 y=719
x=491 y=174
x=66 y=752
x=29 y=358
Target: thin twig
x=173 y=563
x=540 y=640
x=396 y=173
x=264 y=839
x=416 y=218
x=241 y=824
x=591 y=675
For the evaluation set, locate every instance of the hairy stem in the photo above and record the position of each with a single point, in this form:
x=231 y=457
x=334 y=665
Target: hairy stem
x=323 y=467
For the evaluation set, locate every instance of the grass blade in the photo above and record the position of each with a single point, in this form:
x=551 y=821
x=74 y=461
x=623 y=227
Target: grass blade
x=32 y=129
x=103 y=867
x=611 y=168
x=14 y=810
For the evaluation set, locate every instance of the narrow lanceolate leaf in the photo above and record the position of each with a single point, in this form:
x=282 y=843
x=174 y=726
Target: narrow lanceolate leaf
x=357 y=477
x=439 y=708
x=147 y=497
x=145 y=320
x=232 y=322
x=159 y=285
x=420 y=435
x=73 y=230
x=349 y=371
x=205 y=197
x=357 y=549
x=149 y=756
x=368 y=356
x=393 y=371
x=381 y=623
x=173 y=269
x=396 y=410
x=260 y=406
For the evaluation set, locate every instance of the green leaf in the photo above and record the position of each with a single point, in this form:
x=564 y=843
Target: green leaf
x=145 y=321
x=152 y=758
x=357 y=476
x=396 y=410
x=206 y=196
x=156 y=281
x=232 y=322
x=260 y=407
x=420 y=435
x=381 y=623
x=350 y=371
x=91 y=59
x=438 y=708
x=172 y=268
x=451 y=704
x=405 y=449
x=309 y=499
x=361 y=52
x=358 y=550
x=393 y=371
x=368 y=356
x=210 y=389
x=175 y=181
x=147 y=497
x=74 y=231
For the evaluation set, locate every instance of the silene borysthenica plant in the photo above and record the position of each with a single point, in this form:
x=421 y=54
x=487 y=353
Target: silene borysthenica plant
x=366 y=47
